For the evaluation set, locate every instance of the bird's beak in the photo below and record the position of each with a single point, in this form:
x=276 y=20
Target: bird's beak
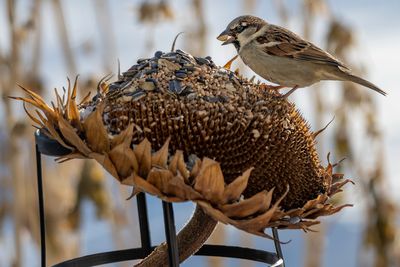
x=226 y=38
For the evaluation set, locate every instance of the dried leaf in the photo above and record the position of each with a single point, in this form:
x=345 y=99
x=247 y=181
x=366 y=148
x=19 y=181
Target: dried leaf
x=37 y=101
x=70 y=156
x=45 y=109
x=160 y=178
x=336 y=187
x=233 y=191
x=132 y=158
x=214 y=213
x=135 y=190
x=146 y=186
x=85 y=98
x=105 y=161
x=160 y=158
x=295 y=212
x=128 y=181
x=143 y=156
x=178 y=165
x=187 y=191
x=196 y=168
x=72 y=112
x=329 y=210
x=96 y=134
x=247 y=207
x=171 y=185
x=35 y=120
x=60 y=103
x=123 y=137
x=210 y=181
x=122 y=162
x=258 y=223
x=54 y=134
x=312 y=203
x=69 y=134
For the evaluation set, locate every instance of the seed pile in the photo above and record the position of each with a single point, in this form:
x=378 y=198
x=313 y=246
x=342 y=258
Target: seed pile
x=212 y=112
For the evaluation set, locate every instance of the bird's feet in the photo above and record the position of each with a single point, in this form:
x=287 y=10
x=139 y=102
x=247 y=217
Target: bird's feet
x=265 y=86
x=285 y=96
x=276 y=88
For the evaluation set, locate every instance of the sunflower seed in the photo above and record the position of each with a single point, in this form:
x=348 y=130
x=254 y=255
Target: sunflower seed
x=188 y=67
x=150 y=71
x=175 y=86
x=147 y=86
x=168 y=64
x=186 y=91
x=181 y=74
x=142 y=60
x=136 y=95
x=202 y=61
x=191 y=96
x=158 y=54
x=211 y=99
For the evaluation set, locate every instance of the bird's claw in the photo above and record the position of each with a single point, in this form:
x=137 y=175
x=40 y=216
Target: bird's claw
x=285 y=96
x=265 y=86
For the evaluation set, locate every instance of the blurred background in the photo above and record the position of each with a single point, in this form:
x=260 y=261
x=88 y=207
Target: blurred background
x=44 y=41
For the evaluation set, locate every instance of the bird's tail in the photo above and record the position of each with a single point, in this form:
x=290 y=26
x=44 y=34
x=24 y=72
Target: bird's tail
x=365 y=83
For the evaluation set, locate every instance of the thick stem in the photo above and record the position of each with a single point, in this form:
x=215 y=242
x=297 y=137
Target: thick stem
x=190 y=239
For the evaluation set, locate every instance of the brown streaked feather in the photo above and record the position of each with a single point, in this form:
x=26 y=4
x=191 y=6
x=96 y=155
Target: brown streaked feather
x=293 y=46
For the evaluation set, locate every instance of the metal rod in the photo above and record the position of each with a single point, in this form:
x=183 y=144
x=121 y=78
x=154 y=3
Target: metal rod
x=170 y=234
x=105 y=257
x=238 y=253
x=41 y=206
x=277 y=244
x=144 y=223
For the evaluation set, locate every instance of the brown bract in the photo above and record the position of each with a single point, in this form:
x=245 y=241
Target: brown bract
x=245 y=156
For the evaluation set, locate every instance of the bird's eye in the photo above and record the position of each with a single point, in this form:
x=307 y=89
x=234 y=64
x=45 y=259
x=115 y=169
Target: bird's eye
x=239 y=28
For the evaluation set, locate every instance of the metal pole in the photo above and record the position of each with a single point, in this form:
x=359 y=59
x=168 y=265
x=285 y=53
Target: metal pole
x=143 y=223
x=278 y=248
x=170 y=234
x=41 y=206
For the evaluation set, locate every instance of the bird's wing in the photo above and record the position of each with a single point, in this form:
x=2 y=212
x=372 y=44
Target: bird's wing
x=281 y=42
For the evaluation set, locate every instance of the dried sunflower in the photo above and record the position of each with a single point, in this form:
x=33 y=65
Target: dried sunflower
x=180 y=128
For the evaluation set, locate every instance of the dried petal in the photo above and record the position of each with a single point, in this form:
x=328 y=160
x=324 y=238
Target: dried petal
x=214 y=213
x=69 y=134
x=105 y=161
x=233 y=191
x=121 y=160
x=210 y=181
x=196 y=168
x=123 y=137
x=312 y=203
x=54 y=134
x=96 y=134
x=178 y=165
x=143 y=156
x=145 y=186
x=72 y=111
x=160 y=158
x=171 y=185
x=247 y=207
x=259 y=223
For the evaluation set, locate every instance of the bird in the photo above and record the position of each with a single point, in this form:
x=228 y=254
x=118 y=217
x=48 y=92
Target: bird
x=283 y=57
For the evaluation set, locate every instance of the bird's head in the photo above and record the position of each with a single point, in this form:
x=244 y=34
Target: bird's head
x=240 y=30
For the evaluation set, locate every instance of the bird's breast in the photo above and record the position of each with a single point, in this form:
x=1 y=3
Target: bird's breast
x=280 y=70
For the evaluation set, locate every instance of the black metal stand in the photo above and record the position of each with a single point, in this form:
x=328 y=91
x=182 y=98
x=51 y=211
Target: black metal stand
x=50 y=147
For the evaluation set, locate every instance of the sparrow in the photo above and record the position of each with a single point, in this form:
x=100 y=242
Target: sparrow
x=284 y=58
